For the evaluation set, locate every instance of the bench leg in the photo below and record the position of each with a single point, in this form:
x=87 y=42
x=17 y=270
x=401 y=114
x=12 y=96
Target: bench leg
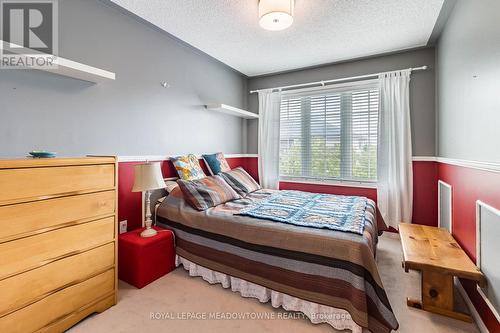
x=438 y=296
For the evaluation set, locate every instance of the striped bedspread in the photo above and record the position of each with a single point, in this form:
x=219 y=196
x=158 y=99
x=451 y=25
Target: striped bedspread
x=329 y=267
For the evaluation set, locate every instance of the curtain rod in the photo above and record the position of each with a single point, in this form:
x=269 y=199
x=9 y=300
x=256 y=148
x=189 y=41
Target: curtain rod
x=421 y=68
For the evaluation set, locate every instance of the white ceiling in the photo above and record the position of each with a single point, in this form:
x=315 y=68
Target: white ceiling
x=323 y=31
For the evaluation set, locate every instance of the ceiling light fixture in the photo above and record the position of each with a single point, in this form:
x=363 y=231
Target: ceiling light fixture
x=276 y=15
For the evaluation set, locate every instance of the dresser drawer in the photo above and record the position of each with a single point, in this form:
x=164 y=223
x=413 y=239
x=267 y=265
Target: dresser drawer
x=59 y=305
x=26 y=218
x=68 y=321
x=25 y=288
x=35 y=251
x=28 y=184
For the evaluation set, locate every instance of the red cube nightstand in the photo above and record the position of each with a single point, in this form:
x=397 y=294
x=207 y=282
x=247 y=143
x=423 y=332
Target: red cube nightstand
x=143 y=260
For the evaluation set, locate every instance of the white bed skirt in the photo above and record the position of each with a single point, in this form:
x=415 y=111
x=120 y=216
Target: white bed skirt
x=317 y=313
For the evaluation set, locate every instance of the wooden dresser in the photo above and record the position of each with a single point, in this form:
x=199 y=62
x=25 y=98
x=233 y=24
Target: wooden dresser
x=57 y=241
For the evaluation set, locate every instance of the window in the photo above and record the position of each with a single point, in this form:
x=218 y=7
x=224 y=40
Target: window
x=330 y=133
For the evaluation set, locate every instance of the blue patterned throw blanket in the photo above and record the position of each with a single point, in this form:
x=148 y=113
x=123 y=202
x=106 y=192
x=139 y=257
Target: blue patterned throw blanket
x=336 y=212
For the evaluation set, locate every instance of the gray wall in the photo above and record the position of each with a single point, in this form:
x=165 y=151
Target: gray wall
x=133 y=115
x=468 y=59
x=422 y=91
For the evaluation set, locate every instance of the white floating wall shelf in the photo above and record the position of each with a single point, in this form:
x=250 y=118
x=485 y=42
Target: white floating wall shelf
x=80 y=71
x=73 y=69
x=231 y=110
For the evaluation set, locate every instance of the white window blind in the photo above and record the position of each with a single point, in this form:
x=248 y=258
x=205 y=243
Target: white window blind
x=330 y=133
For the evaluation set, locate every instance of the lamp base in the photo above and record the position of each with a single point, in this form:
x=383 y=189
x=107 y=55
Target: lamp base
x=149 y=232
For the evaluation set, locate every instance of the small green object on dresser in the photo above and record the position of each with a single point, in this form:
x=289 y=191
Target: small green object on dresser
x=42 y=154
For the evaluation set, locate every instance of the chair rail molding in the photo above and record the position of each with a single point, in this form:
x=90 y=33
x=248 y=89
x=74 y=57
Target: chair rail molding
x=142 y=158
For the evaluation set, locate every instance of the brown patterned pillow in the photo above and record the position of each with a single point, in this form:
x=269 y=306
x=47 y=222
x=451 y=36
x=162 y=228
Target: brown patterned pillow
x=240 y=181
x=208 y=192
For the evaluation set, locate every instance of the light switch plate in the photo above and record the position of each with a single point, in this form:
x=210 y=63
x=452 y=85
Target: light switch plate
x=123 y=226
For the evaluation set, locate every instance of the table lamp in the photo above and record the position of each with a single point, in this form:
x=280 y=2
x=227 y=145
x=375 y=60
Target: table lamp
x=148 y=177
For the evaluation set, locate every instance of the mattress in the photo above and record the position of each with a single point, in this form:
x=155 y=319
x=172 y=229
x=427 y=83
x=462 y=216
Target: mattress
x=328 y=267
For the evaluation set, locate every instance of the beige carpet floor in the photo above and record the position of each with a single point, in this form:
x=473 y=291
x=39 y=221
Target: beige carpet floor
x=177 y=295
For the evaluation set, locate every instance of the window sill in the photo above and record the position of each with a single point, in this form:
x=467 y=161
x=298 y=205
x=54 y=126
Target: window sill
x=331 y=183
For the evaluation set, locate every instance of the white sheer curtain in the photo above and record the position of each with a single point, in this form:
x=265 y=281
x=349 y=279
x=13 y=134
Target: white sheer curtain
x=394 y=159
x=269 y=138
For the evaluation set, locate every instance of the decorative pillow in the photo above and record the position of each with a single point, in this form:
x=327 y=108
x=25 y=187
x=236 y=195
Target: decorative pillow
x=240 y=181
x=216 y=163
x=188 y=167
x=208 y=192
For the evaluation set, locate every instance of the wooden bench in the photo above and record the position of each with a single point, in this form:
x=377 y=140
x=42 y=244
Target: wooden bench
x=435 y=252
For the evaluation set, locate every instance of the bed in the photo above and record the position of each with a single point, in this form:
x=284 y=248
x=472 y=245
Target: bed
x=330 y=276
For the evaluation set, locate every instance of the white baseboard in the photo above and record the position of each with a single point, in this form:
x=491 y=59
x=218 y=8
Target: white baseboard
x=475 y=315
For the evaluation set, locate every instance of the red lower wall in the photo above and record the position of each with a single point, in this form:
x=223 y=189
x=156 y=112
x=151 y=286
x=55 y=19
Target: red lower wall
x=424 y=175
x=129 y=203
x=370 y=193
x=425 y=193
x=468 y=186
